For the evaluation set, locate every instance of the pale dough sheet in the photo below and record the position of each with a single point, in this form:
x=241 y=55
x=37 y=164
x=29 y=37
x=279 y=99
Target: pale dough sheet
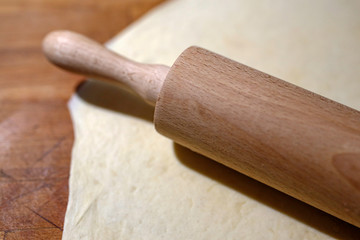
x=129 y=182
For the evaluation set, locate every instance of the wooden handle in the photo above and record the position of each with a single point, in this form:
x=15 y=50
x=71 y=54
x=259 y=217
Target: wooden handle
x=79 y=54
x=284 y=136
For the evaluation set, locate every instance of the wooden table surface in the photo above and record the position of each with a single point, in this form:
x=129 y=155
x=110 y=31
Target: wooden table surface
x=36 y=134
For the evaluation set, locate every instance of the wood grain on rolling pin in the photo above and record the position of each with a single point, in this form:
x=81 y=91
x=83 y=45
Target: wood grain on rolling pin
x=348 y=165
x=287 y=137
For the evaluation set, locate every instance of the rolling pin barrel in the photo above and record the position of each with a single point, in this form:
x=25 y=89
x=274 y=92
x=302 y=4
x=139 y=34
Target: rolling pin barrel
x=282 y=135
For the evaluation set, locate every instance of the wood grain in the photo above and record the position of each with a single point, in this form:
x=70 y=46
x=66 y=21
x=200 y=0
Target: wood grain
x=79 y=54
x=296 y=141
x=35 y=128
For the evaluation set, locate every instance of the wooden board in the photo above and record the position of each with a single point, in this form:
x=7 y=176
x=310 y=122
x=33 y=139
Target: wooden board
x=35 y=128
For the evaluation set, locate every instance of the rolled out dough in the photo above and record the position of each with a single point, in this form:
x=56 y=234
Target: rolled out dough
x=129 y=182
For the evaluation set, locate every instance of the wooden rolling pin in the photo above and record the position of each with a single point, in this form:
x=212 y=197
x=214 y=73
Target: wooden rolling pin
x=294 y=140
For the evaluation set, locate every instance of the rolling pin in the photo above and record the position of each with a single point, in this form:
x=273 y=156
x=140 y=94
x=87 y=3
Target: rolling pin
x=291 y=139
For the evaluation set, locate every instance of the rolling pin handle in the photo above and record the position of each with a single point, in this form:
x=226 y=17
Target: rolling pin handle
x=79 y=54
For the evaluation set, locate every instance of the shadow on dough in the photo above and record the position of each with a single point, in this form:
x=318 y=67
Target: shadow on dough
x=266 y=195
x=113 y=98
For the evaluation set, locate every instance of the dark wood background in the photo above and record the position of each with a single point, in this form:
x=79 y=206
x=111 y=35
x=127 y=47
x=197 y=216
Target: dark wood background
x=36 y=133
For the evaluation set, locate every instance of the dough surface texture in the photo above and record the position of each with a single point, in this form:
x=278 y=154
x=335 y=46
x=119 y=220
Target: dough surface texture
x=129 y=182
